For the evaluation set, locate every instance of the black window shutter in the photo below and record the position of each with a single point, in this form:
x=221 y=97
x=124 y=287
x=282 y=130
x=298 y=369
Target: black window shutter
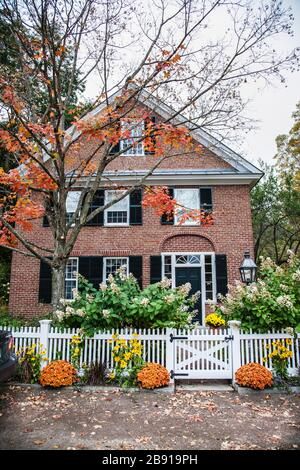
x=168 y=219
x=136 y=268
x=221 y=274
x=150 y=120
x=206 y=199
x=116 y=148
x=98 y=201
x=45 y=285
x=91 y=267
x=45 y=221
x=136 y=207
x=155 y=269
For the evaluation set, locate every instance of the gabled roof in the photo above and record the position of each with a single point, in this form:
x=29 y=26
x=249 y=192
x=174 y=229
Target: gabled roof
x=239 y=163
x=241 y=170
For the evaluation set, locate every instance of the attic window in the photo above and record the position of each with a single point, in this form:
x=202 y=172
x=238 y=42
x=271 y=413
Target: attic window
x=136 y=128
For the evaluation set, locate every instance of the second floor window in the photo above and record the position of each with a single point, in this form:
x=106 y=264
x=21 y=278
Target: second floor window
x=188 y=199
x=136 y=131
x=118 y=213
x=72 y=203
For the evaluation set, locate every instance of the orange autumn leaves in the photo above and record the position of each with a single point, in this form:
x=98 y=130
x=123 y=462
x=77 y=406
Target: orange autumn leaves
x=16 y=201
x=159 y=199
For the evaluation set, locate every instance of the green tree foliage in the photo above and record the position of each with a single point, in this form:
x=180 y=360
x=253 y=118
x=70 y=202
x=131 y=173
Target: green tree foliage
x=276 y=216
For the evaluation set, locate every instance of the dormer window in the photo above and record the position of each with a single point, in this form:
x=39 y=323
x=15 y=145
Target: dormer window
x=136 y=129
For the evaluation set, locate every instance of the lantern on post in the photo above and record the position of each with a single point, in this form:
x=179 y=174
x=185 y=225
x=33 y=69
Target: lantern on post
x=248 y=269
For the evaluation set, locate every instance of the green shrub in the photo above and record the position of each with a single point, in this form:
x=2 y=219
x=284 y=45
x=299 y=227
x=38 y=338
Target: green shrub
x=4 y=281
x=272 y=302
x=121 y=303
x=17 y=322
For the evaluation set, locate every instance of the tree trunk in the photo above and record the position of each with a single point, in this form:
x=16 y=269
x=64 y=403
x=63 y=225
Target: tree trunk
x=58 y=285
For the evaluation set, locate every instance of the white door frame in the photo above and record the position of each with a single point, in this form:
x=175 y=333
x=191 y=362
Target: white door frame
x=201 y=264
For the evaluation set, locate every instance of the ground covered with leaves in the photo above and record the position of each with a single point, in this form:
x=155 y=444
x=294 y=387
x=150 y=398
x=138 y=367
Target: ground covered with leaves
x=69 y=419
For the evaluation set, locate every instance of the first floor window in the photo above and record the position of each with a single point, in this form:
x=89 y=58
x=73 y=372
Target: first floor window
x=118 y=213
x=188 y=200
x=71 y=278
x=111 y=265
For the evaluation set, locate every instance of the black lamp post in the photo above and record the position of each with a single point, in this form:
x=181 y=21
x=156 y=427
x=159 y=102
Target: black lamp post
x=248 y=269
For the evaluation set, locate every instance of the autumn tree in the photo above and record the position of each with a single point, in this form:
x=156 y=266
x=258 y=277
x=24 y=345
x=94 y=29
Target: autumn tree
x=288 y=153
x=12 y=65
x=276 y=217
x=130 y=49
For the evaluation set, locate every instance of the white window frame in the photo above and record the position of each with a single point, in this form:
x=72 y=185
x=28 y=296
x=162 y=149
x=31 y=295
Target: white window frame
x=189 y=265
x=105 y=263
x=76 y=280
x=187 y=222
x=110 y=209
x=141 y=123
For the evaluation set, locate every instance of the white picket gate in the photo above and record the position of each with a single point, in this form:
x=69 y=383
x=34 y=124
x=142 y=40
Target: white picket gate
x=203 y=353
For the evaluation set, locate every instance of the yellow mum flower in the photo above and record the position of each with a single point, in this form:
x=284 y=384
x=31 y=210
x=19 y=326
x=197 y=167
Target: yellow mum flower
x=127 y=356
x=117 y=359
x=123 y=364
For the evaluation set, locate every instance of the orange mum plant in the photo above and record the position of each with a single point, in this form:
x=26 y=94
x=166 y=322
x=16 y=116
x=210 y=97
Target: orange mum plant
x=254 y=375
x=58 y=374
x=153 y=375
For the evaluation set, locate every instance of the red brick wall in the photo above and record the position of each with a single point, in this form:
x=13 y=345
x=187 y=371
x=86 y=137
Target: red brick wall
x=195 y=156
x=231 y=234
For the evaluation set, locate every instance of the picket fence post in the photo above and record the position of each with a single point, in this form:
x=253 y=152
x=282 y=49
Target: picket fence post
x=44 y=337
x=235 y=325
x=169 y=352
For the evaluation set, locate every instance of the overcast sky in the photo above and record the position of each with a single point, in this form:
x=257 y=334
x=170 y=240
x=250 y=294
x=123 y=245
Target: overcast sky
x=271 y=106
x=274 y=106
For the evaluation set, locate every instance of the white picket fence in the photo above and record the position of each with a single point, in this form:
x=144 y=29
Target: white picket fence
x=201 y=352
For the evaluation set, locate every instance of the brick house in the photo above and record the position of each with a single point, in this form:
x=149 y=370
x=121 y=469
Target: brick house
x=215 y=179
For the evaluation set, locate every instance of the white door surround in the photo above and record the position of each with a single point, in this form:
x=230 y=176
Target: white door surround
x=171 y=260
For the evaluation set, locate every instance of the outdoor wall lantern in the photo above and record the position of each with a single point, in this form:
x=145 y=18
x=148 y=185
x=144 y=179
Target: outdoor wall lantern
x=248 y=269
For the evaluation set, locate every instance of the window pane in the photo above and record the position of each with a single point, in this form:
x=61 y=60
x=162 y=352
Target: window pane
x=71 y=277
x=181 y=259
x=189 y=199
x=208 y=277
x=69 y=286
x=116 y=217
x=72 y=201
x=168 y=266
x=112 y=264
x=110 y=195
x=190 y=259
x=118 y=212
x=71 y=268
x=136 y=129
